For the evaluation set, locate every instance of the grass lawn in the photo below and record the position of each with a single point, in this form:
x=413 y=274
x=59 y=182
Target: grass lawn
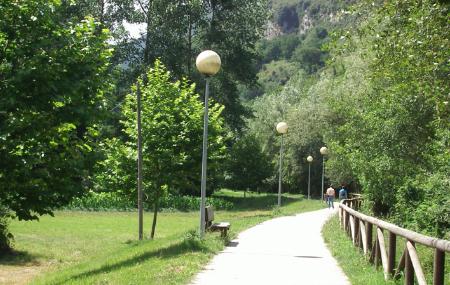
x=102 y=247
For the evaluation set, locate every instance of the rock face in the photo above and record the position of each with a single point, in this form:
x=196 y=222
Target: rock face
x=288 y=19
x=299 y=16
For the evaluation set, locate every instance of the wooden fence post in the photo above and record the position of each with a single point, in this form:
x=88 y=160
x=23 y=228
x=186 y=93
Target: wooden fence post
x=347 y=222
x=409 y=270
x=439 y=260
x=377 y=259
x=391 y=253
x=369 y=236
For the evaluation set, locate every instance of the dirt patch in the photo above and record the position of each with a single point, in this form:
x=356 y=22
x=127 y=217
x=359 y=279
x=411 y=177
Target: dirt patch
x=18 y=275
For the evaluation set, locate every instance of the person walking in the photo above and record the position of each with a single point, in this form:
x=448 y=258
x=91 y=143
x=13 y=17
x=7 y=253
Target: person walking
x=342 y=193
x=330 y=196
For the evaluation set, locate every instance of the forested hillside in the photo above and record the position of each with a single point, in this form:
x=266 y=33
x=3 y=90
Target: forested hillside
x=370 y=80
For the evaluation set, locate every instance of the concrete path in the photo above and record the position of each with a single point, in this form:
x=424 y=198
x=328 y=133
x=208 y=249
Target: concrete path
x=286 y=250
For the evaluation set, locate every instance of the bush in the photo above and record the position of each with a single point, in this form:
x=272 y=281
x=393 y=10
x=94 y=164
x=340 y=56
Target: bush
x=6 y=237
x=248 y=167
x=110 y=201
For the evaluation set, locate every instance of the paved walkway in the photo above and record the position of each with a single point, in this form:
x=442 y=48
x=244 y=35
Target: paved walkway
x=286 y=250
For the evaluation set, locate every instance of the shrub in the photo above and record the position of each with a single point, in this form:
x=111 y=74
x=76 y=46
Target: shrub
x=6 y=237
x=107 y=201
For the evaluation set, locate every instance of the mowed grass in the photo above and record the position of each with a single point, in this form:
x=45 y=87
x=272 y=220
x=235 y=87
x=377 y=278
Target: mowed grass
x=102 y=247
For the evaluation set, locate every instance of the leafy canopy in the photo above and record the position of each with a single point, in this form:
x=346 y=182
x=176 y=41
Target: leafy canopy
x=53 y=79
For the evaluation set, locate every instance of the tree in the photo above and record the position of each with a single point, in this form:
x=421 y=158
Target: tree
x=172 y=129
x=53 y=80
x=396 y=133
x=248 y=167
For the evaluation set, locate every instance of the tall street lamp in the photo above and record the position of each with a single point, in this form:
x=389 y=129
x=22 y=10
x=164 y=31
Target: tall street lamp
x=309 y=159
x=282 y=128
x=323 y=152
x=208 y=63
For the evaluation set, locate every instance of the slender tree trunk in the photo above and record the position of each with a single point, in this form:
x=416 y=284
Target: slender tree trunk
x=156 y=204
x=148 y=35
x=155 y=212
x=189 y=42
x=102 y=13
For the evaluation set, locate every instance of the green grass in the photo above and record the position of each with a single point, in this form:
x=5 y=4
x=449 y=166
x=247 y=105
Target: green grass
x=101 y=247
x=358 y=268
x=352 y=261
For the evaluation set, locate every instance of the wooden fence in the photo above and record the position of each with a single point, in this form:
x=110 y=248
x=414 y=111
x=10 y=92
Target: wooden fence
x=360 y=228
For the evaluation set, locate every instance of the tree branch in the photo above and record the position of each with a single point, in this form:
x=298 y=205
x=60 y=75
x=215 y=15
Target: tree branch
x=143 y=9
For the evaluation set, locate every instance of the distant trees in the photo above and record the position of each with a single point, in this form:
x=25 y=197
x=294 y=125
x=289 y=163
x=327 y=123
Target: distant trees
x=54 y=75
x=380 y=105
x=394 y=128
x=176 y=32
x=248 y=167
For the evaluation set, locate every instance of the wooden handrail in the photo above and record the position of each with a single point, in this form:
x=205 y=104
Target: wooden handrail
x=359 y=227
x=440 y=244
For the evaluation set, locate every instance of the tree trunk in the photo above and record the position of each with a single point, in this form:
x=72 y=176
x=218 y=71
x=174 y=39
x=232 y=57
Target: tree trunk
x=155 y=213
x=148 y=34
x=189 y=43
x=102 y=13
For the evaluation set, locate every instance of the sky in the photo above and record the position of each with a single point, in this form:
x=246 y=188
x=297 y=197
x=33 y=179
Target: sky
x=135 y=30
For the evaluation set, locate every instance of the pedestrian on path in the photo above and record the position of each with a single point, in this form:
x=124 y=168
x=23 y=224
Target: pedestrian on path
x=342 y=193
x=330 y=196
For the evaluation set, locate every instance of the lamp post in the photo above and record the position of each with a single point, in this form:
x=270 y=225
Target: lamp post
x=309 y=159
x=282 y=128
x=208 y=63
x=323 y=152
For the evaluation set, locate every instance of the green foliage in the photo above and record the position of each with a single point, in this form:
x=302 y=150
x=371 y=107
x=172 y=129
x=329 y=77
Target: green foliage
x=233 y=32
x=278 y=48
x=113 y=201
x=395 y=131
x=300 y=105
x=275 y=74
x=172 y=130
x=54 y=75
x=6 y=238
x=380 y=105
x=310 y=55
x=176 y=32
x=248 y=167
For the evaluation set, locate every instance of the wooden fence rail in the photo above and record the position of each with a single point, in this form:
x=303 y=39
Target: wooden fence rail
x=360 y=229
